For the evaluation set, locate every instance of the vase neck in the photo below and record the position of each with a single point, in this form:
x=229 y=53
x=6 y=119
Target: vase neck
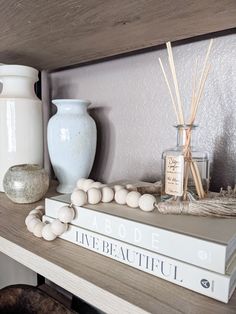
x=71 y=107
x=17 y=87
x=185 y=135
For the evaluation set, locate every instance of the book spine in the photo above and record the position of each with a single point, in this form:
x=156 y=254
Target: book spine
x=194 y=278
x=192 y=250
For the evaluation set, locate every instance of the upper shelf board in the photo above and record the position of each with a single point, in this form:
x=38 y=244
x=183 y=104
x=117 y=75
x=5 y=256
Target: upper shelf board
x=59 y=33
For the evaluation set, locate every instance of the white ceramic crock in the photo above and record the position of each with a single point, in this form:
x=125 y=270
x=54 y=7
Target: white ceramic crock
x=21 y=125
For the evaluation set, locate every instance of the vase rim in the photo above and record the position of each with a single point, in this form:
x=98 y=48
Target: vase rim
x=71 y=100
x=18 y=70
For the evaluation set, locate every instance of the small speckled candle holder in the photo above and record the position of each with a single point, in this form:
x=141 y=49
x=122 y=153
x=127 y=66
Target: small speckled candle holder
x=26 y=183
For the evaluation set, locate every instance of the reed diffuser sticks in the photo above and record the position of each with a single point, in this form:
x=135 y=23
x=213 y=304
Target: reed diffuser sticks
x=197 y=91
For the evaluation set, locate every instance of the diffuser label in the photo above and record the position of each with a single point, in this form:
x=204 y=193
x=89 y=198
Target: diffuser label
x=174 y=175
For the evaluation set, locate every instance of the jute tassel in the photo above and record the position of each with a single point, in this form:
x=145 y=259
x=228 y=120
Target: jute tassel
x=224 y=207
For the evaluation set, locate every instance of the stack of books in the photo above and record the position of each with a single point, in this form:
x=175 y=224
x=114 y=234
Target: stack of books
x=194 y=252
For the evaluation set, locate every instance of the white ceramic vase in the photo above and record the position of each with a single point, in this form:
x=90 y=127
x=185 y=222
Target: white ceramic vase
x=72 y=139
x=21 y=123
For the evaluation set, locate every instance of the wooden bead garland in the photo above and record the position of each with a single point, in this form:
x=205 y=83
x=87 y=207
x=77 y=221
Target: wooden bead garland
x=132 y=199
x=58 y=227
x=147 y=202
x=86 y=185
x=79 y=197
x=120 y=196
x=48 y=231
x=66 y=214
x=94 y=196
x=32 y=223
x=87 y=191
x=107 y=194
x=37 y=230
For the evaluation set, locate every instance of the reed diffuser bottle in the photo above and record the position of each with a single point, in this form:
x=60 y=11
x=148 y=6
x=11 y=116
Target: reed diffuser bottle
x=185 y=169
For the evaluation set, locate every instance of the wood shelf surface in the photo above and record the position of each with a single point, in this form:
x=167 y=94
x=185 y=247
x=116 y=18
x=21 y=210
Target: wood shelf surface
x=59 y=33
x=104 y=283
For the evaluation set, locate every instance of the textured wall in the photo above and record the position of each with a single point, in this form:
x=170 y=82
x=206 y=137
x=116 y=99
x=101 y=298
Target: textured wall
x=134 y=115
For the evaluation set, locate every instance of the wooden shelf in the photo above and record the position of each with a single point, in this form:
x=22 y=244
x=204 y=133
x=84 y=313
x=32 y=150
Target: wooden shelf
x=58 y=33
x=106 y=284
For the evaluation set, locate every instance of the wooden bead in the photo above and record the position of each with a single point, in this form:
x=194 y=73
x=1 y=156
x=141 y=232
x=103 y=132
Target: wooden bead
x=37 y=230
x=58 y=227
x=146 y=202
x=75 y=189
x=80 y=183
x=118 y=187
x=79 y=198
x=86 y=184
x=107 y=194
x=30 y=217
x=40 y=207
x=94 y=196
x=132 y=199
x=120 y=196
x=36 y=211
x=32 y=223
x=96 y=185
x=47 y=233
x=131 y=187
x=66 y=214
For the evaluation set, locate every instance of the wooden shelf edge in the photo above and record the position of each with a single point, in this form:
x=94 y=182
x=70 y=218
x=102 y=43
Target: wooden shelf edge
x=85 y=290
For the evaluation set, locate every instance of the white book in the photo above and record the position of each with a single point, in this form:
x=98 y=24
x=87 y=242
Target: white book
x=202 y=241
x=211 y=284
